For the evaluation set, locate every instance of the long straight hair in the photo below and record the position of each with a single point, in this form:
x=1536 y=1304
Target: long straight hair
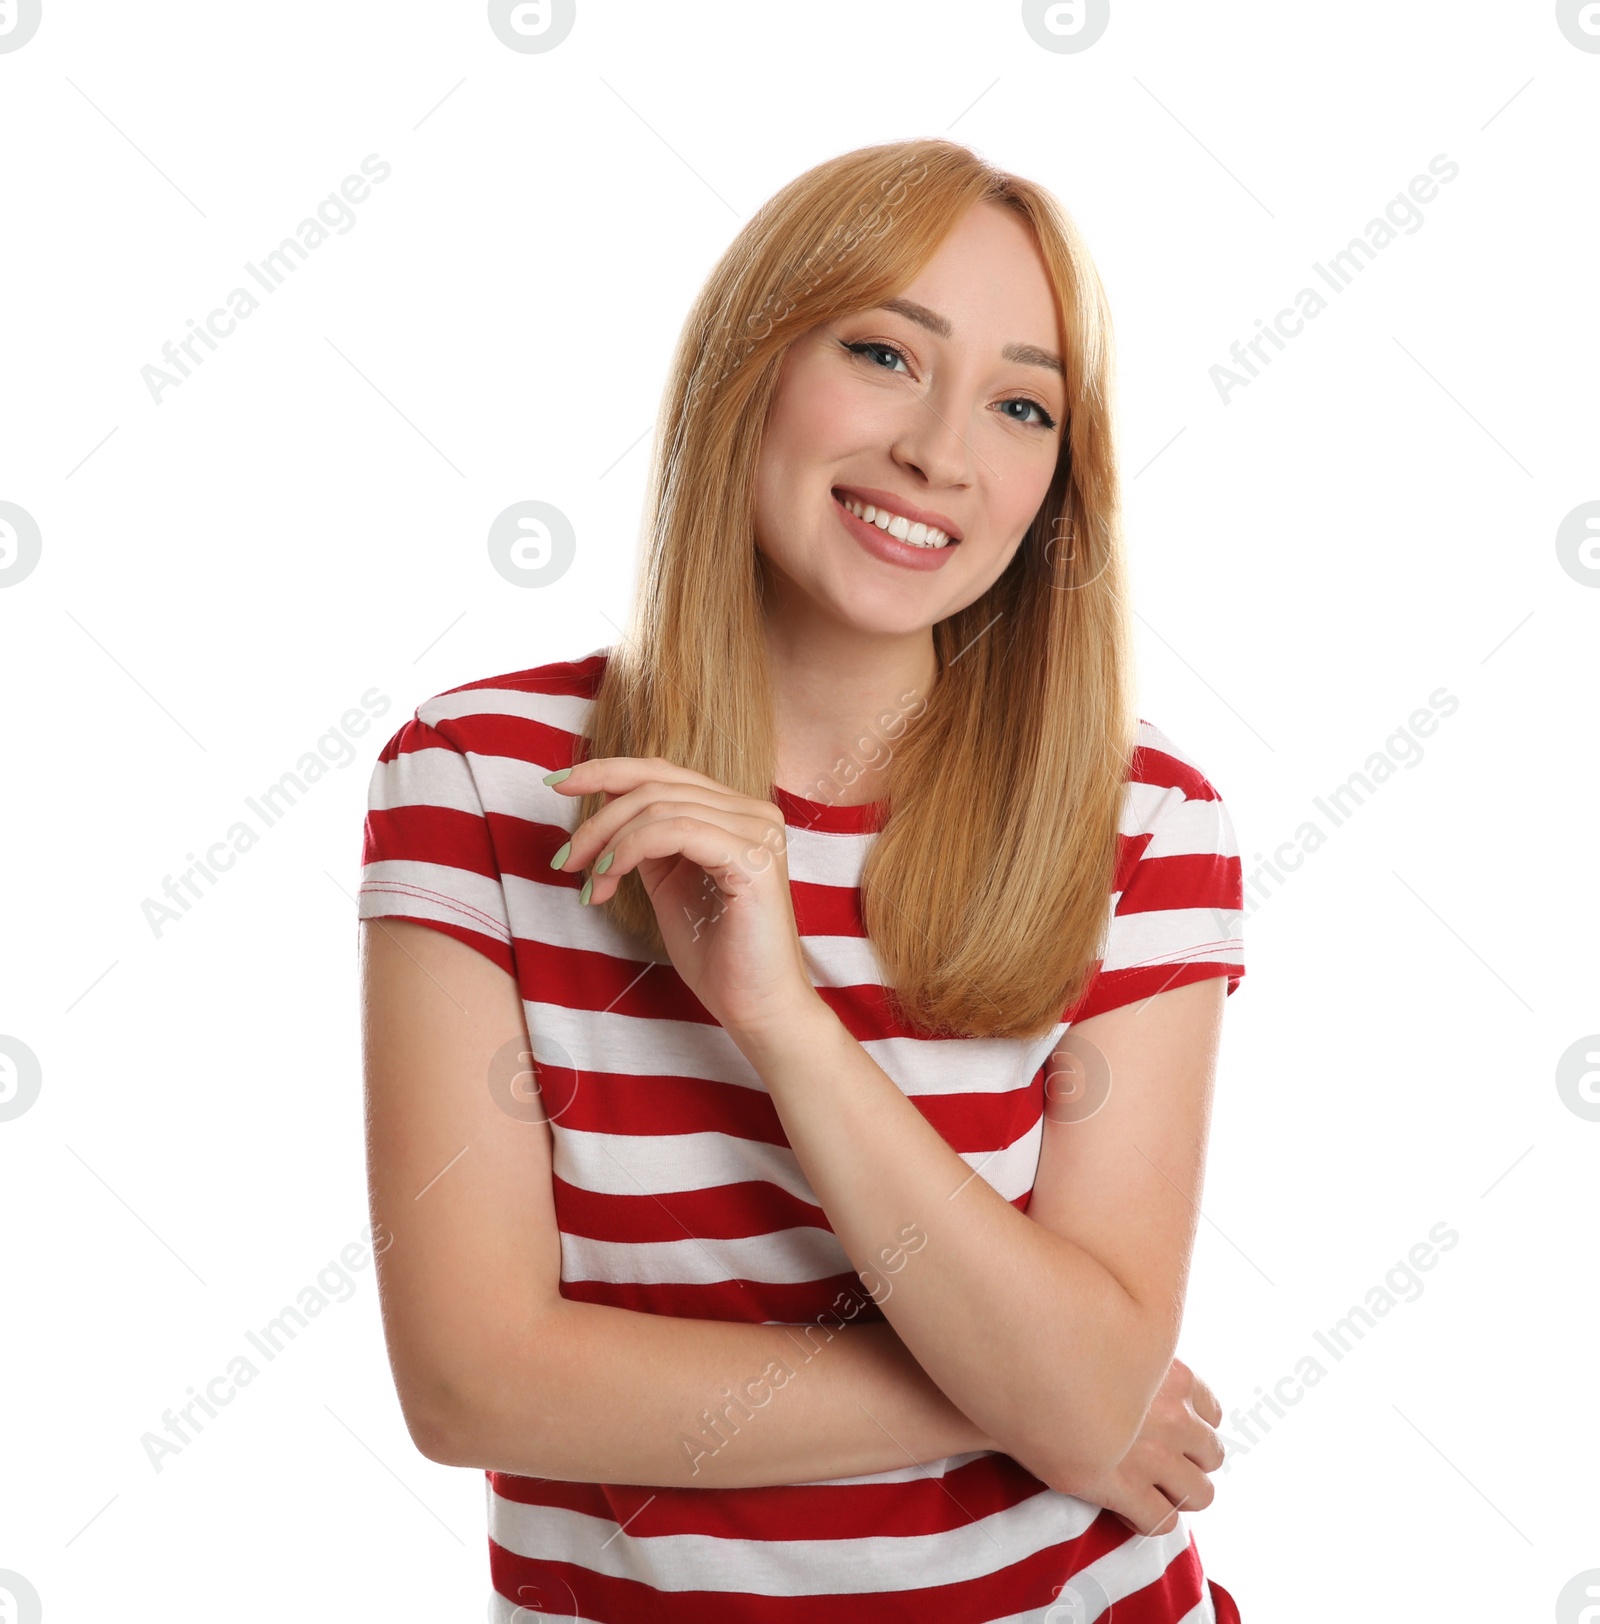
x=986 y=892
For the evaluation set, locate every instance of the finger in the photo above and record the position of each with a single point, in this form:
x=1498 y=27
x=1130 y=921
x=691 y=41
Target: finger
x=1186 y=1486
x=1205 y=1402
x=1195 y=1438
x=1148 y=1511
x=732 y=849
x=1206 y=1451
x=616 y=775
x=598 y=832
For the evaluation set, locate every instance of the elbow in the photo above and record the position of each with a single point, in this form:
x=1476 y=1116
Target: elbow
x=465 y=1415
x=1109 y=1428
x=435 y=1440
x=1079 y=1475
x=435 y=1418
x=1069 y=1456
x=1082 y=1470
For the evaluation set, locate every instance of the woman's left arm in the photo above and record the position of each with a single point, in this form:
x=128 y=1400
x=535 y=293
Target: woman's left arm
x=1051 y=1329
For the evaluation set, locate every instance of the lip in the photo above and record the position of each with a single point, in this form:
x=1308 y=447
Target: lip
x=898 y=504
x=884 y=546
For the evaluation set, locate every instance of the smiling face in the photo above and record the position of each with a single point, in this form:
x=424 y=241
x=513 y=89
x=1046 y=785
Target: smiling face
x=946 y=406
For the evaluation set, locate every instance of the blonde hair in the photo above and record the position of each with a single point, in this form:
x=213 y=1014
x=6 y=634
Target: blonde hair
x=985 y=894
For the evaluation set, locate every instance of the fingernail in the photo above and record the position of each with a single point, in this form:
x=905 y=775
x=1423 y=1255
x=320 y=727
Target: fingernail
x=561 y=856
x=583 y=895
x=604 y=863
x=555 y=778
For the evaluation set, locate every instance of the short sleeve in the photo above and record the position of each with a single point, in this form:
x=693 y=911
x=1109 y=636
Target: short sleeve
x=1178 y=910
x=426 y=850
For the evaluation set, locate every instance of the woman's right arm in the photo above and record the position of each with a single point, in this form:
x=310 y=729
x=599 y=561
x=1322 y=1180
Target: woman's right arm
x=495 y=1369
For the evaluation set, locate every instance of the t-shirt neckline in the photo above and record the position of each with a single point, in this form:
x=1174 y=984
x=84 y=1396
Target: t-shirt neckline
x=866 y=818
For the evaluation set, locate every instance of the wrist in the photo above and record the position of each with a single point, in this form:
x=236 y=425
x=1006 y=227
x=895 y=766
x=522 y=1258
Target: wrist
x=798 y=1027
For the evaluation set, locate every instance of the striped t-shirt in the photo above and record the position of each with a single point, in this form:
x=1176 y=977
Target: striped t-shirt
x=677 y=1193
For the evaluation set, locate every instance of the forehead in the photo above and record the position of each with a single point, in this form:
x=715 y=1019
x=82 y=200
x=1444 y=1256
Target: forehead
x=989 y=282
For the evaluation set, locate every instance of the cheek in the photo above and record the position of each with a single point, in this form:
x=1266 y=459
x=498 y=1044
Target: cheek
x=818 y=416
x=1026 y=487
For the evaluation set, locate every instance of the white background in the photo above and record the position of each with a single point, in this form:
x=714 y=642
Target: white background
x=225 y=573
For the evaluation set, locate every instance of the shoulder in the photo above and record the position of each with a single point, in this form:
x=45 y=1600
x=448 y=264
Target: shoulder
x=1173 y=817
x=1178 y=896
x=1161 y=766
x=557 y=694
x=523 y=714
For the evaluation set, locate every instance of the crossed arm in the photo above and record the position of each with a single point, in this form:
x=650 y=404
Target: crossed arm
x=1043 y=1334
x=1052 y=1329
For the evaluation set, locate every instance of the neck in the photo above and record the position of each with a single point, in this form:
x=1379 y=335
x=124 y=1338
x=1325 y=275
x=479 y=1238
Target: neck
x=840 y=701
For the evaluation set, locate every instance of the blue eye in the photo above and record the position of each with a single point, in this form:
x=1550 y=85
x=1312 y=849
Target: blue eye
x=872 y=344
x=1046 y=421
x=863 y=346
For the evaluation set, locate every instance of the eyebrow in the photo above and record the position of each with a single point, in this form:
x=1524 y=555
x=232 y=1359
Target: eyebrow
x=1028 y=354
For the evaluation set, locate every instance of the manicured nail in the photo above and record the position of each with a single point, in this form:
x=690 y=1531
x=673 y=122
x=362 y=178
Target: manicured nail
x=555 y=778
x=561 y=856
x=604 y=863
x=583 y=895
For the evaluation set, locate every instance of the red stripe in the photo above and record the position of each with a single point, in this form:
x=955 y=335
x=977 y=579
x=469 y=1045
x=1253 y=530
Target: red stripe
x=725 y=1212
x=1175 y=1593
x=1150 y=765
x=1185 y=880
x=927 y=1505
x=577 y=679
x=833 y=1301
x=826 y=910
x=652 y=1103
x=656 y=1103
x=429 y=834
x=1227 y=1609
x=728 y=1212
x=804 y=813
x=490 y=946
x=1113 y=988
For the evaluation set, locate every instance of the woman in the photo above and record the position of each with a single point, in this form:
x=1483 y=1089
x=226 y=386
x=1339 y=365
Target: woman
x=832 y=1266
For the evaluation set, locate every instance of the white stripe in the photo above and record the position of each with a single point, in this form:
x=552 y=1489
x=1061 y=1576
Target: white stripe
x=779 y=1257
x=1116 y=1575
x=870 y=1564
x=565 y=711
x=665 y=1164
x=516 y=789
x=923 y=1066
x=1093 y=1592
x=434 y=891
x=1174 y=936
x=819 y=858
x=606 y=1041
x=432 y=777
x=551 y=915
x=841 y=961
x=831 y=961
x=898 y=1474
x=1177 y=826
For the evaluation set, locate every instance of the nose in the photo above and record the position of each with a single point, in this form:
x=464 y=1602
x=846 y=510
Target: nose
x=930 y=440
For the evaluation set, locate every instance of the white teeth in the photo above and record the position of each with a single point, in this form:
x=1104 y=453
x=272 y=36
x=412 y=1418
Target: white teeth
x=902 y=529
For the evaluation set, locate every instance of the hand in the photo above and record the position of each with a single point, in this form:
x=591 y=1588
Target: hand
x=1164 y=1470
x=715 y=866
